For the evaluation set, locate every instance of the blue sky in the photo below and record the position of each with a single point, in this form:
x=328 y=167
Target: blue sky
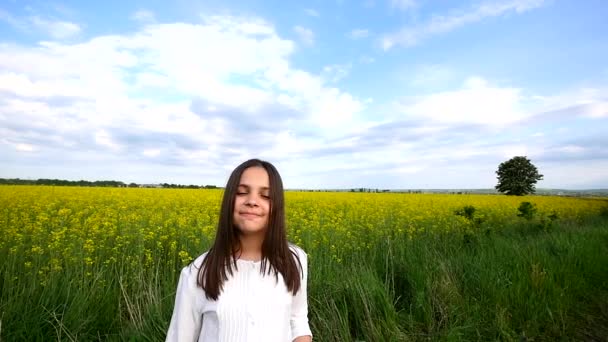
x=337 y=94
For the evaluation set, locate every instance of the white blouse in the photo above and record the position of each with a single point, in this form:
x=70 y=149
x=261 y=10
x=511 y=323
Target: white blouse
x=251 y=307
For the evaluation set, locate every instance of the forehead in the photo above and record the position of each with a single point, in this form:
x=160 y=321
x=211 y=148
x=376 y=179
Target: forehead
x=255 y=177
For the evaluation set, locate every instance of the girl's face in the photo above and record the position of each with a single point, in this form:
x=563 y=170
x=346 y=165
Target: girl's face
x=252 y=201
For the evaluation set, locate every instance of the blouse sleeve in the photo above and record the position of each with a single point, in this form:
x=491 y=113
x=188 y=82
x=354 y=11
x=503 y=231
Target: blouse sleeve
x=187 y=316
x=299 y=308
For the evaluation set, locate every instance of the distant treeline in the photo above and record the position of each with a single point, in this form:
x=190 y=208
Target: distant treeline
x=60 y=182
x=180 y=186
x=107 y=183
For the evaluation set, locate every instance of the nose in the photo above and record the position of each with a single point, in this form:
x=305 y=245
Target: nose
x=251 y=201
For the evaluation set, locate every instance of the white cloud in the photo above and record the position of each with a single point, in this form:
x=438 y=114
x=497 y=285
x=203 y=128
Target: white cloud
x=511 y=150
x=476 y=102
x=152 y=79
x=587 y=102
x=131 y=96
x=585 y=174
x=410 y=36
x=151 y=152
x=335 y=72
x=598 y=110
x=335 y=108
x=56 y=28
x=571 y=149
x=104 y=139
x=25 y=147
x=305 y=35
x=359 y=33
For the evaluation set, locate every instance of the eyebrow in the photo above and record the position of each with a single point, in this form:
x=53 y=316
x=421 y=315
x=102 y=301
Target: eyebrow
x=249 y=187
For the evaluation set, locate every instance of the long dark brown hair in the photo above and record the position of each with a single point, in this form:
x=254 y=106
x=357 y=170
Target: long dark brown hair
x=277 y=257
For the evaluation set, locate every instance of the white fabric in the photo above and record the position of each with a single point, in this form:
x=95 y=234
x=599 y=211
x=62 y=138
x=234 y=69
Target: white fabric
x=251 y=307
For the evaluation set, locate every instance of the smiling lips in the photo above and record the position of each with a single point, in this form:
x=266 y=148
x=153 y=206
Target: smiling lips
x=249 y=215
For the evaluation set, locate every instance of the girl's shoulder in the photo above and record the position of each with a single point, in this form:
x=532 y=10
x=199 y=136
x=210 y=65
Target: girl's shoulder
x=302 y=257
x=196 y=264
x=199 y=260
x=298 y=250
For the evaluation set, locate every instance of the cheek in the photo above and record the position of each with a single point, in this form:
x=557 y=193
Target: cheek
x=235 y=211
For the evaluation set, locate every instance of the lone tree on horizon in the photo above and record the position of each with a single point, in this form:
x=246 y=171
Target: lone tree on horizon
x=517 y=176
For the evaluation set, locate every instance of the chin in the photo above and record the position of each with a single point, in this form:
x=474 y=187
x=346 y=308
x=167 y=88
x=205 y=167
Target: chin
x=250 y=226
x=252 y=230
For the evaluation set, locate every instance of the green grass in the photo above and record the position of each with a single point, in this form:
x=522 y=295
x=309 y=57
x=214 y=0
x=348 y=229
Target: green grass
x=520 y=284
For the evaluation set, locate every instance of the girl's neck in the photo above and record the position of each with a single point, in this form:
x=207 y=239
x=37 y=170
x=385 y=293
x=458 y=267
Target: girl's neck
x=250 y=247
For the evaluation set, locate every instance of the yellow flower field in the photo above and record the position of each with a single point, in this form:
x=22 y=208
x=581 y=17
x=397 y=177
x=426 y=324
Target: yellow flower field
x=113 y=237
x=51 y=227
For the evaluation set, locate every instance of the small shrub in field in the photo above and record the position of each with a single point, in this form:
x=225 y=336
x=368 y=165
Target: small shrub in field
x=553 y=216
x=546 y=223
x=467 y=212
x=527 y=210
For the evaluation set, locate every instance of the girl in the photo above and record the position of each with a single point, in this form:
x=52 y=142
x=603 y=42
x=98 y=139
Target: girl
x=251 y=284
